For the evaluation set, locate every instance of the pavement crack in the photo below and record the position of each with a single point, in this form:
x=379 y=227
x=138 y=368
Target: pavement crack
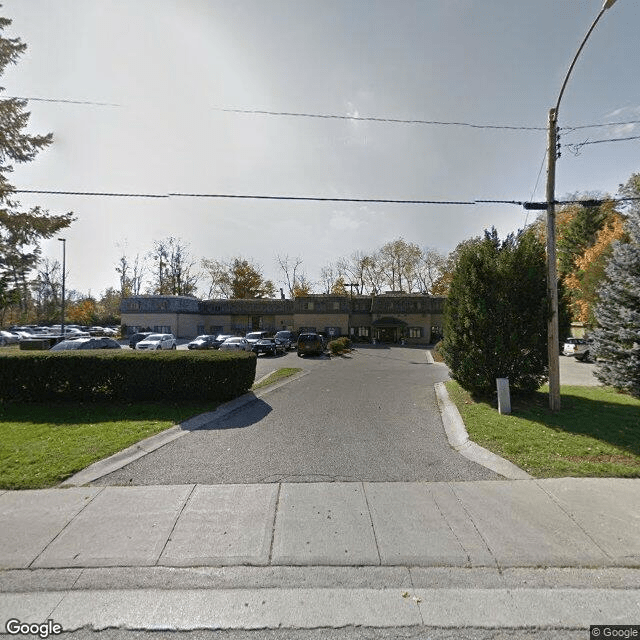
x=273 y=525
x=373 y=529
x=566 y=513
x=46 y=546
x=175 y=522
x=444 y=518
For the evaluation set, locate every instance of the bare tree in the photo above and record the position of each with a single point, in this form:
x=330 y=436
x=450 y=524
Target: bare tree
x=293 y=273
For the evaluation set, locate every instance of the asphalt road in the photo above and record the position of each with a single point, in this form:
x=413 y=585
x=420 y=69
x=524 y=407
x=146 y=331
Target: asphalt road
x=370 y=416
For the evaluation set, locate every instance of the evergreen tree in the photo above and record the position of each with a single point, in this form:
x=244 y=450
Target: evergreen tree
x=617 y=337
x=495 y=318
x=20 y=231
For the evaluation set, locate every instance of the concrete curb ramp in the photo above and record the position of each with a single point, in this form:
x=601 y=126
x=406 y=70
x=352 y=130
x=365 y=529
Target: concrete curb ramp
x=459 y=440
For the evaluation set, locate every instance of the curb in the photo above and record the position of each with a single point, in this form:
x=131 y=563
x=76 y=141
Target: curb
x=459 y=440
x=148 y=445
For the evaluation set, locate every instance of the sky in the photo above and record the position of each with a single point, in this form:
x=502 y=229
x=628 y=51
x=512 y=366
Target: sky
x=164 y=71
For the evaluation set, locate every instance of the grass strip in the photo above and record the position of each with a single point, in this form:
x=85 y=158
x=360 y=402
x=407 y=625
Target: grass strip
x=280 y=374
x=595 y=434
x=43 y=444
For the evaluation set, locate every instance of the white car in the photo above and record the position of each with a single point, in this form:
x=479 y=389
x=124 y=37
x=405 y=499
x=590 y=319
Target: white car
x=235 y=344
x=156 y=342
x=7 y=337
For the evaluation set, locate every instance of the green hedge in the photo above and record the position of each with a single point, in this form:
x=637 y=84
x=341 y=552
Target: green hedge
x=340 y=345
x=125 y=375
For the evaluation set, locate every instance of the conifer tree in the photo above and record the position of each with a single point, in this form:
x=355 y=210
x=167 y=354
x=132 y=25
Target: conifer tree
x=617 y=336
x=495 y=320
x=20 y=231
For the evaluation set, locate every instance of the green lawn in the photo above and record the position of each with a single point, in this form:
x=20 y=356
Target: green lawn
x=280 y=374
x=596 y=433
x=42 y=445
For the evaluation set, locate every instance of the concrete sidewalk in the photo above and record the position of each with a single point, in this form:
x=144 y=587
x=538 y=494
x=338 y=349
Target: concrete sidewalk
x=77 y=554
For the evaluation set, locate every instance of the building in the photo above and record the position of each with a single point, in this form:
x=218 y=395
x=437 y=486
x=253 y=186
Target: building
x=389 y=317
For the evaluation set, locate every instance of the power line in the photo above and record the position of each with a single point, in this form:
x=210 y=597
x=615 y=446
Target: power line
x=596 y=126
x=62 y=100
x=568 y=128
x=331 y=116
x=315 y=198
x=92 y=193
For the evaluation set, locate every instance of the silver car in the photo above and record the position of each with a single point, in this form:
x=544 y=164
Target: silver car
x=157 y=342
x=235 y=344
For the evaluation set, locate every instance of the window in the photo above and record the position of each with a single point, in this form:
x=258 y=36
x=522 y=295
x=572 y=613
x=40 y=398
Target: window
x=200 y=329
x=336 y=306
x=363 y=332
x=162 y=329
x=415 y=332
x=308 y=306
x=216 y=329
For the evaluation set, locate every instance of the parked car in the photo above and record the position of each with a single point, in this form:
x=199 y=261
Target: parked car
x=136 y=337
x=310 y=344
x=235 y=344
x=202 y=342
x=86 y=343
x=7 y=337
x=579 y=348
x=288 y=338
x=157 y=342
x=272 y=346
x=254 y=336
x=220 y=338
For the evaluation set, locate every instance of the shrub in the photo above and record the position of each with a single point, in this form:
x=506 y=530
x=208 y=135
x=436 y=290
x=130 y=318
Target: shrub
x=125 y=375
x=495 y=318
x=339 y=345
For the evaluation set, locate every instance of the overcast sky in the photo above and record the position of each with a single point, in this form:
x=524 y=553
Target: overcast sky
x=170 y=66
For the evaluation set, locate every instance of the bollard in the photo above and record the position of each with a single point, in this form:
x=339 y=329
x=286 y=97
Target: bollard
x=504 y=399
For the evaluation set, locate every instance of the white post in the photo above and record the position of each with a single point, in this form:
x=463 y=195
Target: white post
x=504 y=398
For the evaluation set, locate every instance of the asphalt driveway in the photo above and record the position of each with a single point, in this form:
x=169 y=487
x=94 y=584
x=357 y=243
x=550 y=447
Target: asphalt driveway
x=370 y=416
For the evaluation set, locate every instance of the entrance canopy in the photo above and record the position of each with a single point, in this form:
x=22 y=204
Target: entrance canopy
x=388 y=322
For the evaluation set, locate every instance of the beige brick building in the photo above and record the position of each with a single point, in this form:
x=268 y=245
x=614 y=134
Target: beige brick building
x=390 y=317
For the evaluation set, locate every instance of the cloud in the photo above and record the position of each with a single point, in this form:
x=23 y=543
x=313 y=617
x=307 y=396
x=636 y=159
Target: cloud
x=623 y=130
x=343 y=221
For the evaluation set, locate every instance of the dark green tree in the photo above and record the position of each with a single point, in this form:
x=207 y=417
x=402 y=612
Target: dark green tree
x=617 y=336
x=20 y=231
x=495 y=318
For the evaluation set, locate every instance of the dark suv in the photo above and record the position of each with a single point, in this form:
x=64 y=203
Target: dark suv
x=310 y=343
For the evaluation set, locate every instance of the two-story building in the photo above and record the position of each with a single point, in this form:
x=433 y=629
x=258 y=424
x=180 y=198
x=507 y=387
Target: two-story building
x=390 y=317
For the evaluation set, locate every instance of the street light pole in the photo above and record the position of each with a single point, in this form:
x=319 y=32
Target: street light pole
x=64 y=247
x=553 y=338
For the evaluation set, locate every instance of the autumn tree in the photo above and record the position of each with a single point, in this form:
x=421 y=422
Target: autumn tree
x=20 y=231
x=237 y=278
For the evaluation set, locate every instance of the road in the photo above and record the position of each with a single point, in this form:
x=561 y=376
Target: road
x=370 y=416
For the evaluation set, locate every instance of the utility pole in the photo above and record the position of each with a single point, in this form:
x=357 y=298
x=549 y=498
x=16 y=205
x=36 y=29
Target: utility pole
x=553 y=339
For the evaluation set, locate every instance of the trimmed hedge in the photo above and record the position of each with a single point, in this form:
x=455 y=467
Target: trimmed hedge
x=125 y=375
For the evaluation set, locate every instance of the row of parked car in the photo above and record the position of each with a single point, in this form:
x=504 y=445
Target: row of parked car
x=16 y=334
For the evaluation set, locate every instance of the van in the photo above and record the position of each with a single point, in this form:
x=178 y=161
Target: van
x=310 y=343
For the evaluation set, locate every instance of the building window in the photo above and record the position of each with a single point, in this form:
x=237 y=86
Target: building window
x=200 y=329
x=216 y=329
x=333 y=332
x=336 y=306
x=159 y=328
x=307 y=306
x=363 y=332
x=415 y=332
